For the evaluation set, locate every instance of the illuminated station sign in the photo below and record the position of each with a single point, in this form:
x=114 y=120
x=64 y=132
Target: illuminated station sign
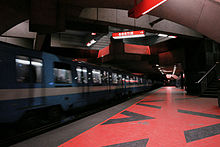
x=144 y=7
x=131 y=34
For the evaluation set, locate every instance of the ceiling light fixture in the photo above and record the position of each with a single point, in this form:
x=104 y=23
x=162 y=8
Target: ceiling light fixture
x=93 y=34
x=174 y=70
x=165 y=35
x=93 y=41
x=162 y=35
x=172 y=36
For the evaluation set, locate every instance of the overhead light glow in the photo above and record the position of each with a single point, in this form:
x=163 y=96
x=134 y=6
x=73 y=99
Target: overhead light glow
x=93 y=41
x=172 y=36
x=36 y=63
x=174 y=70
x=162 y=35
x=168 y=76
x=25 y=62
x=157 y=65
x=93 y=34
x=165 y=35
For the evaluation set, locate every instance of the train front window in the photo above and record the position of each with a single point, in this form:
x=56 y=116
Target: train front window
x=28 y=70
x=96 y=76
x=62 y=73
x=22 y=69
x=37 y=68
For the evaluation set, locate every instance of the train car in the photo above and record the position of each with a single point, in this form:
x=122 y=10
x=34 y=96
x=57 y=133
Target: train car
x=38 y=84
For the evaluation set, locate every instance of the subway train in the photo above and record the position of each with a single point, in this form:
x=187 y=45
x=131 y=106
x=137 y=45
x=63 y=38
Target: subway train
x=35 y=84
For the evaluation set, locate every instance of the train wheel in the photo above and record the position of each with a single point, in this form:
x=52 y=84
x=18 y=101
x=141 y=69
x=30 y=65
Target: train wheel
x=54 y=114
x=29 y=121
x=129 y=94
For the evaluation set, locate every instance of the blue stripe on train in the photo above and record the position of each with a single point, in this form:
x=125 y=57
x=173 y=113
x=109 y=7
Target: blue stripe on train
x=12 y=110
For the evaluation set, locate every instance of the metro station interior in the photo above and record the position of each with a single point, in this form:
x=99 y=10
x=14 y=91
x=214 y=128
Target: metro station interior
x=111 y=73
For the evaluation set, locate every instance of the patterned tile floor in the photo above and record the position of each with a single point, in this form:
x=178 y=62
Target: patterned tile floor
x=165 y=118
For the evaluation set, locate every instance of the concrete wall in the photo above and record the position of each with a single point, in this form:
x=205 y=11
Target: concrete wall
x=19 y=35
x=120 y=17
x=27 y=43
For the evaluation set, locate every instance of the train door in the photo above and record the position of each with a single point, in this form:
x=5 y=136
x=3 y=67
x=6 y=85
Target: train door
x=62 y=75
x=120 y=84
x=123 y=85
x=126 y=84
x=29 y=77
x=83 y=81
x=86 y=90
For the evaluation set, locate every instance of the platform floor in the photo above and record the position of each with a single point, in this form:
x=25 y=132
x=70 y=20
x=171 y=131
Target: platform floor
x=166 y=117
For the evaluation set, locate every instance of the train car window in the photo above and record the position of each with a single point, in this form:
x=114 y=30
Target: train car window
x=82 y=75
x=108 y=78
x=96 y=76
x=132 y=80
x=28 y=71
x=79 y=74
x=22 y=69
x=62 y=73
x=119 y=79
x=114 y=78
x=127 y=79
x=85 y=76
x=141 y=80
x=36 y=69
x=105 y=77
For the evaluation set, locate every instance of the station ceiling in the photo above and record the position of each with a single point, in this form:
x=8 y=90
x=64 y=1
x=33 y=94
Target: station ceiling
x=199 y=15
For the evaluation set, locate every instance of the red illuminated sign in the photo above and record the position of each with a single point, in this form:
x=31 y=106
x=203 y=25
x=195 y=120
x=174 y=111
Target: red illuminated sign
x=144 y=7
x=131 y=34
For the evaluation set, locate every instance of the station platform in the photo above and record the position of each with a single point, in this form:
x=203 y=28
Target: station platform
x=165 y=117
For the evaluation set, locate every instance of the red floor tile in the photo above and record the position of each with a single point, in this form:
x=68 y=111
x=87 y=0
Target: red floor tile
x=166 y=118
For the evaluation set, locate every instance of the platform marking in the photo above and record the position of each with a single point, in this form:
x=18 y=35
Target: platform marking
x=138 y=143
x=154 y=101
x=201 y=133
x=133 y=117
x=146 y=105
x=199 y=114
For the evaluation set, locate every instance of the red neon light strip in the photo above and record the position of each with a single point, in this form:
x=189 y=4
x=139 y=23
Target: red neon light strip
x=144 y=7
